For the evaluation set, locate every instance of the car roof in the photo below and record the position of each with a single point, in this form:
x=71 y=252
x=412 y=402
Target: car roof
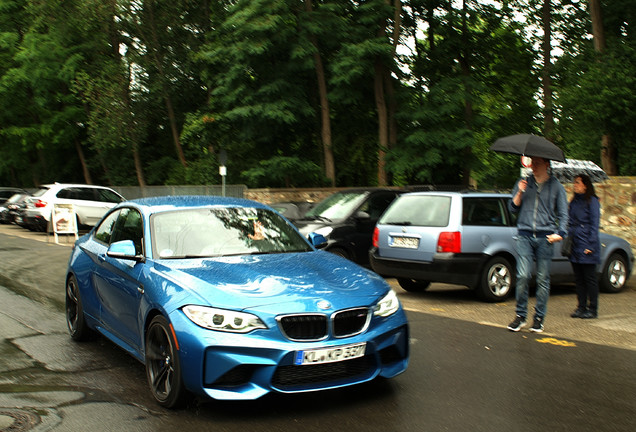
x=174 y=202
x=64 y=185
x=475 y=194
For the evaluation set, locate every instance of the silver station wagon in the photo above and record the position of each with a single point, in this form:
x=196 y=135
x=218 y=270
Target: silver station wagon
x=467 y=238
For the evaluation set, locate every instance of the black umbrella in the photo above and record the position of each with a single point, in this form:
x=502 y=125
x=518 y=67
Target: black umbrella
x=528 y=145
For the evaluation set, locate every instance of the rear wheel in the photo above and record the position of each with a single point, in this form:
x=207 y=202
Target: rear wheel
x=75 y=312
x=163 y=367
x=340 y=252
x=497 y=280
x=614 y=274
x=413 y=285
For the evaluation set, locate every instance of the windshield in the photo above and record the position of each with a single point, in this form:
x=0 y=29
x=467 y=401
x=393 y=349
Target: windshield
x=337 y=206
x=214 y=232
x=418 y=210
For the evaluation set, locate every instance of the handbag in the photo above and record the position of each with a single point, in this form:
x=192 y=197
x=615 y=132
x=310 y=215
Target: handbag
x=566 y=247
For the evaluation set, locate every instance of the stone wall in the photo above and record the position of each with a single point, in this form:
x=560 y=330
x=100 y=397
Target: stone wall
x=617 y=196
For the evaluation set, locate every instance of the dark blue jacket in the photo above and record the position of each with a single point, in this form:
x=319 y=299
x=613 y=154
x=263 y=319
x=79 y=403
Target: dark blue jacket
x=541 y=213
x=584 y=228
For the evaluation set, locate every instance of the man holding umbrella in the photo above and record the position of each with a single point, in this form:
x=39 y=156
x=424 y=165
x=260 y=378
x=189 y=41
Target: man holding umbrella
x=541 y=204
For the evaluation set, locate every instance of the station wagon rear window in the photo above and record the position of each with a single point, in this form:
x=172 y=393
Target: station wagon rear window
x=418 y=210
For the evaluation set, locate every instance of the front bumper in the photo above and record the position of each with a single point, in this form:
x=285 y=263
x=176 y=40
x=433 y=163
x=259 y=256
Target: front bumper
x=245 y=367
x=458 y=269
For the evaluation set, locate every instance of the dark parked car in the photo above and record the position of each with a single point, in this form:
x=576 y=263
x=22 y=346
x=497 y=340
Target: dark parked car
x=8 y=192
x=347 y=219
x=11 y=208
x=468 y=239
x=293 y=210
x=223 y=298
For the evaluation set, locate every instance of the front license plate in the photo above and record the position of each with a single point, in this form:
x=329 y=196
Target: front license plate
x=330 y=355
x=404 y=242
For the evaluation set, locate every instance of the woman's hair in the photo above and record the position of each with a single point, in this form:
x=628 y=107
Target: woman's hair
x=589 y=187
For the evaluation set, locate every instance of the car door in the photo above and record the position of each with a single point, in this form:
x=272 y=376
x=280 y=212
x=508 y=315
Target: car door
x=118 y=281
x=486 y=226
x=89 y=205
x=373 y=207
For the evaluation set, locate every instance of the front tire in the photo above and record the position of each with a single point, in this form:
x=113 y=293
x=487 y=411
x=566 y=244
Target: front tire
x=497 y=280
x=614 y=274
x=163 y=367
x=413 y=285
x=75 y=319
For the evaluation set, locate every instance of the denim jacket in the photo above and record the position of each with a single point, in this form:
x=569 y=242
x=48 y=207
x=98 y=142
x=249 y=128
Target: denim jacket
x=541 y=213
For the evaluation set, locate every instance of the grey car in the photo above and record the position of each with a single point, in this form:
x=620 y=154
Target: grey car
x=467 y=238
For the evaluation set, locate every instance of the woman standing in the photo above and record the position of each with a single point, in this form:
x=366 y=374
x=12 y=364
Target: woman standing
x=585 y=214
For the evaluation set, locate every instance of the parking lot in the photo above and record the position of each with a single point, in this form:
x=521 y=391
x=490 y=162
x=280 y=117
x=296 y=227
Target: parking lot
x=615 y=326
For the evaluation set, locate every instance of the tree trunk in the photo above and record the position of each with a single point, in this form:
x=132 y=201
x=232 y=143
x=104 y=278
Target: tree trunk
x=153 y=47
x=548 y=112
x=468 y=102
x=80 y=154
x=608 y=151
x=325 y=130
x=383 y=136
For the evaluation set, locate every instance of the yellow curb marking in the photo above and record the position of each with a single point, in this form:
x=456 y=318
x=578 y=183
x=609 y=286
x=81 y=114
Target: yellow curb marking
x=557 y=342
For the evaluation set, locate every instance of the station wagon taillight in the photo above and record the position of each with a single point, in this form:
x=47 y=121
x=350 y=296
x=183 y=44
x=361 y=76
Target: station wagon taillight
x=39 y=204
x=376 y=237
x=449 y=242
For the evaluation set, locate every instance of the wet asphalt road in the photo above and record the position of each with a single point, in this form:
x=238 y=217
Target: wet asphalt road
x=467 y=373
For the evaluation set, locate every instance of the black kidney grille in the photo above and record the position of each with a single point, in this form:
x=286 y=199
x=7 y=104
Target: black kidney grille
x=304 y=327
x=350 y=322
x=291 y=377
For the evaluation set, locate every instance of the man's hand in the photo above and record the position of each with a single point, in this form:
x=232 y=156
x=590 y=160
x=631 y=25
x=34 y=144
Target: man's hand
x=554 y=238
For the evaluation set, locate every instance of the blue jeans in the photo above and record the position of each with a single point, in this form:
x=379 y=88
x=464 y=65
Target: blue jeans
x=539 y=250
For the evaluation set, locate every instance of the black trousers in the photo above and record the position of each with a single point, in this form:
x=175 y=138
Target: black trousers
x=586 y=286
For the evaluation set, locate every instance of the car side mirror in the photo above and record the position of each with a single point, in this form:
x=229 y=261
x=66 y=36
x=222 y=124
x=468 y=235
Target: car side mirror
x=124 y=249
x=317 y=240
x=362 y=216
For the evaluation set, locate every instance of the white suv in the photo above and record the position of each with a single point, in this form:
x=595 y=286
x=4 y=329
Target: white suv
x=90 y=203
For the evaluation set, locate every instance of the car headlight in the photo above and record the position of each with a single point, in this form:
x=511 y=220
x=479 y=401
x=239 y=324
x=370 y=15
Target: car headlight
x=325 y=231
x=388 y=305
x=223 y=319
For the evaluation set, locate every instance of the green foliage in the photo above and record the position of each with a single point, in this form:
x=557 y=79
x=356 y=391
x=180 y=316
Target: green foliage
x=159 y=77
x=283 y=171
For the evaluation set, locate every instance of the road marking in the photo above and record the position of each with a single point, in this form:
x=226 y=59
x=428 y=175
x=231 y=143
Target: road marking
x=557 y=342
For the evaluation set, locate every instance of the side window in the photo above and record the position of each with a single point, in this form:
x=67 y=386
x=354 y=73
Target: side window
x=376 y=204
x=483 y=212
x=64 y=194
x=129 y=227
x=85 y=194
x=104 y=231
x=105 y=195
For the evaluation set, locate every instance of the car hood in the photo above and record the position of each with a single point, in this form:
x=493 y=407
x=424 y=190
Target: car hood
x=293 y=281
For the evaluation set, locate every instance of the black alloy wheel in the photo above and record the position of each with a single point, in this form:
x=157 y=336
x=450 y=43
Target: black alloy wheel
x=163 y=368
x=75 y=320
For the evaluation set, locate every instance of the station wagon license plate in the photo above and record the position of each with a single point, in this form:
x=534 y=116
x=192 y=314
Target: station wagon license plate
x=330 y=355
x=404 y=242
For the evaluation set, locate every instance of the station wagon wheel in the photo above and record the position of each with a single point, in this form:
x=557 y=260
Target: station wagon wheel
x=614 y=274
x=163 y=368
x=340 y=252
x=413 y=285
x=75 y=320
x=497 y=280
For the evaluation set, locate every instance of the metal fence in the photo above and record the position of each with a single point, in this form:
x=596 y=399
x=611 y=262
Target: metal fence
x=133 y=192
